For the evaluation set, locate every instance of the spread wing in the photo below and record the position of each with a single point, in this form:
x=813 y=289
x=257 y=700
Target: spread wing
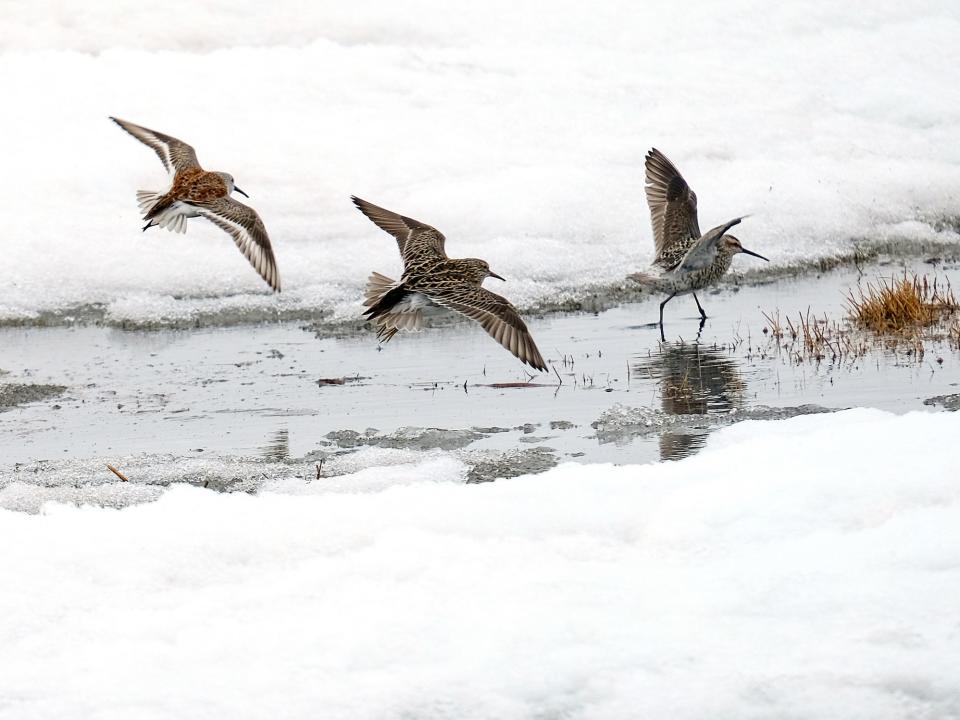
x=497 y=316
x=673 y=209
x=414 y=238
x=247 y=230
x=175 y=154
x=704 y=250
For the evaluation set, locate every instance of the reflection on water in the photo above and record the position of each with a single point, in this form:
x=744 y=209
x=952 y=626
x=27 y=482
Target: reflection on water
x=278 y=446
x=693 y=380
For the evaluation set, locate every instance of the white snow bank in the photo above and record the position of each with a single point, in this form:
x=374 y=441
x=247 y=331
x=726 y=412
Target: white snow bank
x=519 y=129
x=807 y=568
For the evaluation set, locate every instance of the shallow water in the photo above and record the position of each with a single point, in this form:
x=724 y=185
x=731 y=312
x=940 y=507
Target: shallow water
x=274 y=400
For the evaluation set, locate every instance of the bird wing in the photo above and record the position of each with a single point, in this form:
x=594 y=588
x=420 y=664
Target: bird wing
x=248 y=232
x=497 y=316
x=704 y=250
x=175 y=154
x=414 y=238
x=673 y=208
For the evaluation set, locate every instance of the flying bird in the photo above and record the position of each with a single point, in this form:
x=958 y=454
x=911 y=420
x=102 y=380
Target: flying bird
x=431 y=278
x=195 y=192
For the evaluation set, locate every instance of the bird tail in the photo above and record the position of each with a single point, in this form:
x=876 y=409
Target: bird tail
x=377 y=286
x=648 y=281
x=147 y=200
x=390 y=323
x=157 y=209
x=172 y=218
x=641 y=277
x=388 y=308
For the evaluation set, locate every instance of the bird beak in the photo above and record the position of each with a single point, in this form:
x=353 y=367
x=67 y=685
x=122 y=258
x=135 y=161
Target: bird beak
x=493 y=274
x=236 y=189
x=751 y=252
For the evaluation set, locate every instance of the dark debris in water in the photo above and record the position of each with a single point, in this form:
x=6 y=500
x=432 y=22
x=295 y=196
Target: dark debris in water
x=509 y=385
x=322 y=382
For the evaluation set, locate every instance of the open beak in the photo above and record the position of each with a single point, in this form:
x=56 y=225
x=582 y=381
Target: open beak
x=493 y=274
x=751 y=252
x=236 y=189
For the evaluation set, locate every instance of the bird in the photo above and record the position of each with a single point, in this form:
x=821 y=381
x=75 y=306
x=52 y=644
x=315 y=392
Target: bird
x=431 y=278
x=685 y=260
x=195 y=192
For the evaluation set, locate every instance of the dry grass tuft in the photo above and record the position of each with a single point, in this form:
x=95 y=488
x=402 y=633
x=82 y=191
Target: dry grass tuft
x=812 y=339
x=953 y=334
x=899 y=315
x=902 y=306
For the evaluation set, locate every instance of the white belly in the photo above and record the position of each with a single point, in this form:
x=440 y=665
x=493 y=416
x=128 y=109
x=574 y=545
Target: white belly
x=175 y=217
x=412 y=302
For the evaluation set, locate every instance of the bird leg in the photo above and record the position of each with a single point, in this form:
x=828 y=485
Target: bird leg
x=662 y=305
x=703 y=315
x=149 y=225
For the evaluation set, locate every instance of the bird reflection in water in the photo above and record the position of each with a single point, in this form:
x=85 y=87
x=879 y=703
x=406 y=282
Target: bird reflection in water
x=693 y=380
x=277 y=448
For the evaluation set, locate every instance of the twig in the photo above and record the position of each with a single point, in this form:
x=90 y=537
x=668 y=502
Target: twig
x=560 y=379
x=116 y=472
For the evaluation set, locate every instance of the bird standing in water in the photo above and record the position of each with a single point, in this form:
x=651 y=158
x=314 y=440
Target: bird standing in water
x=686 y=261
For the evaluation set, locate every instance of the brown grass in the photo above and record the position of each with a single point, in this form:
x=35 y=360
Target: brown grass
x=901 y=306
x=898 y=314
x=808 y=338
x=953 y=334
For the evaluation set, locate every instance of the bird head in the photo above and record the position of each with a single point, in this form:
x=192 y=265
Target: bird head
x=733 y=246
x=231 y=185
x=479 y=270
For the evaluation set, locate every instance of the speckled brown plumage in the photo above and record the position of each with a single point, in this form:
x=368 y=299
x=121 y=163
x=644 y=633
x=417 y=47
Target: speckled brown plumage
x=192 y=185
x=430 y=277
x=196 y=192
x=673 y=210
x=246 y=228
x=175 y=155
x=200 y=188
x=685 y=261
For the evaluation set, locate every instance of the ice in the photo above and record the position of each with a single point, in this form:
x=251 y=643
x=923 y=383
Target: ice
x=407 y=437
x=517 y=129
x=803 y=568
x=13 y=394
x=950 y=402
x=622 y=423
x=27 y=487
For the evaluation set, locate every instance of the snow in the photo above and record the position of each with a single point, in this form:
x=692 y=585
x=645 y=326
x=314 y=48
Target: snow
x=805 y=568
x=518 y=129
x=801 y=568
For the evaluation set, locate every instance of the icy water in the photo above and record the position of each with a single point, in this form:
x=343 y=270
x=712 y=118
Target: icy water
x=234 y=406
